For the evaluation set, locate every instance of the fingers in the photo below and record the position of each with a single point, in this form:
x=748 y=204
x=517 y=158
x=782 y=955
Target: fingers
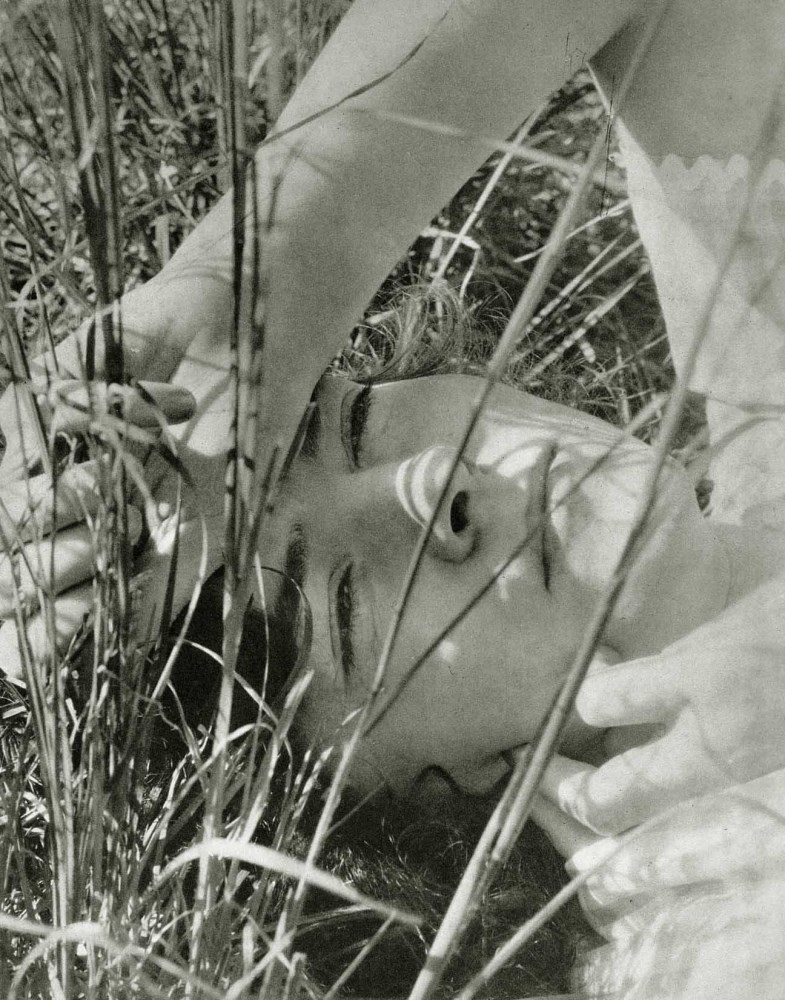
x=68 y=615
x=607 y=894
x=53 y=567
x=29 y=508
x=22 y=439
x=632 y=786
x=623 y=792
x=631 y=693
x=75 y=404
x=565 y=833
x=63 y=563
x=583 y=851
x=71 y=406
x=739 y=831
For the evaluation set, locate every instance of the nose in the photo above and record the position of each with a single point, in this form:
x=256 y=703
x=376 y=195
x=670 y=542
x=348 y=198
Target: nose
x=419 y=485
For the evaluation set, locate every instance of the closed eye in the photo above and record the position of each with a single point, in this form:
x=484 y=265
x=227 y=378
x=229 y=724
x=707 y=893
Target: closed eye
x=355 y=411
x=344 y=617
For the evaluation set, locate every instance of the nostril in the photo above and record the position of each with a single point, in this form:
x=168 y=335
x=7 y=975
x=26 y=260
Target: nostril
x=459 y=512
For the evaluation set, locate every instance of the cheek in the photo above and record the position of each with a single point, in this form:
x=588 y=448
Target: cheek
x=485 y=687
x=592 y=512
x=515 y=629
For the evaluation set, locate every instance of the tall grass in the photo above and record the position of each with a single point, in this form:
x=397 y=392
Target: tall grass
x=139 y=854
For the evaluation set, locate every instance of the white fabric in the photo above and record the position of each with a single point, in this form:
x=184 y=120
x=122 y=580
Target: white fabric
x=693 y=906
x=715 y=234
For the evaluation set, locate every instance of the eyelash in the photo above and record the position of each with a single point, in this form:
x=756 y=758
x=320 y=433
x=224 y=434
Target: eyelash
x=345 y=617
x=354 y=420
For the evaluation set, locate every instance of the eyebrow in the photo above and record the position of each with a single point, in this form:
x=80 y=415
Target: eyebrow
x=287 y=604
x=344 y=621
x=294 y=561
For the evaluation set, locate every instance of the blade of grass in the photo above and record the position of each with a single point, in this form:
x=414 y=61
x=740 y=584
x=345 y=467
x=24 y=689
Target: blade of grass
x=485 y=194
x=516 y=803
x=486 y=857
x=591 y=320
x=529 y=154
x=265 y=857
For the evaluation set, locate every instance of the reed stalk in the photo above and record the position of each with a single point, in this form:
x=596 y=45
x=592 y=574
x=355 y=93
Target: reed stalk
x=139 y=901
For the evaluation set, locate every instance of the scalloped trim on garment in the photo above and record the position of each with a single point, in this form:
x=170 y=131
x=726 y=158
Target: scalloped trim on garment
x=705 y=167
x=691 y=217
x=714 y=194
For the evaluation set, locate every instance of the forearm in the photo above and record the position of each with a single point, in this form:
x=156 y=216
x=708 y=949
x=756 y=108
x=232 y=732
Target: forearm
x=354 y=187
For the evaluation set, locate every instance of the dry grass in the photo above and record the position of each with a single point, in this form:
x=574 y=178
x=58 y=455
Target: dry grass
x=129 y=869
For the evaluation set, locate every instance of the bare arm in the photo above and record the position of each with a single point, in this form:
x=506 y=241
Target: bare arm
x=356 y=187
x=353 y=187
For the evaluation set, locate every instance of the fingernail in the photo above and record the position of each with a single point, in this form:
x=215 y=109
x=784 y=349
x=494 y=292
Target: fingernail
x=180 y=405
x=176 y=402
x=592 y=856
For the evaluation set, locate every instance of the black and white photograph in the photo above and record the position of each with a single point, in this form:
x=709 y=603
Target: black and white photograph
x=392 y=499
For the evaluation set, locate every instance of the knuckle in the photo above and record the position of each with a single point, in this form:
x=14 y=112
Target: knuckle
x=588 y=701
x=594 y=801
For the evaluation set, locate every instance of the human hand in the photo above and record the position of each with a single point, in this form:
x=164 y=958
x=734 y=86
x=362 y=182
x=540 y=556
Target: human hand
x=692 y=902
x=51 y=531
x=159 y=319
x=711 y=707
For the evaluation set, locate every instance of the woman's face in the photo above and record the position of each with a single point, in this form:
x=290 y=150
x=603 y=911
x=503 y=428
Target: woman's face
x=348 y=519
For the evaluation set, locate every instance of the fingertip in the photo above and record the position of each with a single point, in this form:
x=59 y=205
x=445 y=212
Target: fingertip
x=135 y=524
x=592 y=854
x=624 y=694
x=573 y=786
x=181 y=405
x=177 y=403
x=562 y=776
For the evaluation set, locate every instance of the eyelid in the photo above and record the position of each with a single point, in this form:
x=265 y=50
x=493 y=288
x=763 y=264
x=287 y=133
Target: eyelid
x=341 y=629
x=354 y=634
x=355 y=409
